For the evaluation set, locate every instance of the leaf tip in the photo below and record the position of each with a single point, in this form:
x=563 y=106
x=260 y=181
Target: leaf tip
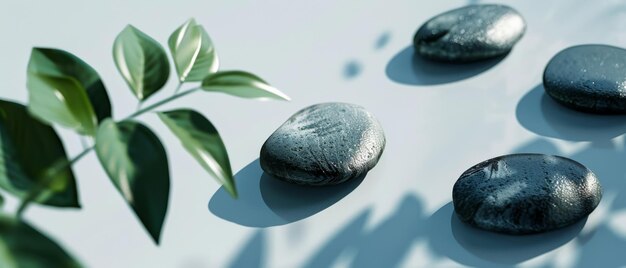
x=37 y=49
x=156 y=238
x=36 y=52
x=232 y=191
x=280 y=95
x=129 y=27
x=76 y=205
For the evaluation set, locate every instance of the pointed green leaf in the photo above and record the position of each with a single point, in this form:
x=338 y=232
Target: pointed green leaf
x=201 y=140
x=193 y=52
x=242 y=84
x=23 y=246
x=33 y=160
x=65 y=90
x=142 y=61
x=136 y=162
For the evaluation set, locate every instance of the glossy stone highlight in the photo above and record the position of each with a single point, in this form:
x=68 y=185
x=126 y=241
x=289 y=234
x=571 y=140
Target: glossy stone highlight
x=526 y=193
x=324 y=144
x=470 y=33
x=588 y=78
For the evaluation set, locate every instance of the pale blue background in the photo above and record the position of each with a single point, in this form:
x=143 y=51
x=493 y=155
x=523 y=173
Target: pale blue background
x=439 y=121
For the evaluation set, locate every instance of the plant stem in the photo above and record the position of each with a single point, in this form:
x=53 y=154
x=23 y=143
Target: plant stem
x=32 y=195
x=164 y=101
x=84 y=142
x=180 y=84
x=139 y=103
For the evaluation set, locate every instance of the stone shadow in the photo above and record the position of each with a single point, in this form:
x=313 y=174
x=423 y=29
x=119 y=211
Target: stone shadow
x=410 y=69
x=265 y=201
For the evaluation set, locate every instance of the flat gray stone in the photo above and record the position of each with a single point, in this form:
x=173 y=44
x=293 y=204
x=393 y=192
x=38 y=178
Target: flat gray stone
x=588 y=78
x=470 y=33
x=526 y=193
x=324 y=144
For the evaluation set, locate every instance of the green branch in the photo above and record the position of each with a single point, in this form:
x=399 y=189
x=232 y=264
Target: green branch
x=157 y=104
x=180 y=84
x=32 y=195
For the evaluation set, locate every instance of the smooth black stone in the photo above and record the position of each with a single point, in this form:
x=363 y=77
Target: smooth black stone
x=526 y=193
x=324 y=144
x=588 y=78
x=470 y=33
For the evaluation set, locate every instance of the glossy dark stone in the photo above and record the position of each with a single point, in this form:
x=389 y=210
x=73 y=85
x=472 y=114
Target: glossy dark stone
x=588 y=78
x=526 y=193
x=470 y=33
x=324 y=144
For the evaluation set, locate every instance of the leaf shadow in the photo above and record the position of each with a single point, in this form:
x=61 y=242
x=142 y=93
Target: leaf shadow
x=410 y=69
x=352 y=69
x=382 y=41
x=538 y=113
x=383 y=245
x=604 y=250
x=348 y=238
x=265 y=201
x=475 y=247
x=390 y=241
x=253 y=254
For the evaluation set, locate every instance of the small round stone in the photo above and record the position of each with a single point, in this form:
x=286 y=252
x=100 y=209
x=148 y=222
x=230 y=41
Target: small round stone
x=470 y=33
x=324 y=144
x=588 y=78
x=526 y=193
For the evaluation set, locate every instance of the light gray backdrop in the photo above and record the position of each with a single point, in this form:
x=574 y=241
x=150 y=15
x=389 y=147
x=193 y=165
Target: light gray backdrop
x=439 y=121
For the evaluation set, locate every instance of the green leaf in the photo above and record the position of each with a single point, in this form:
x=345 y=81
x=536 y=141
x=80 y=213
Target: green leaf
x=136 y=162
x=32 y=159
x=23 y=246
x=242 y=84
x=201 y=140
x=65 y=90
x=142 y=61
x=193 y=52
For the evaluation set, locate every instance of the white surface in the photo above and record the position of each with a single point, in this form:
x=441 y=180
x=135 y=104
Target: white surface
x=399 y=215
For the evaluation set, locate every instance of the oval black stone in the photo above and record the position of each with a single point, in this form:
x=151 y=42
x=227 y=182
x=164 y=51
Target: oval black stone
x=588 y=78
x=324 y=144
x=470 y=33
x=526 y=193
